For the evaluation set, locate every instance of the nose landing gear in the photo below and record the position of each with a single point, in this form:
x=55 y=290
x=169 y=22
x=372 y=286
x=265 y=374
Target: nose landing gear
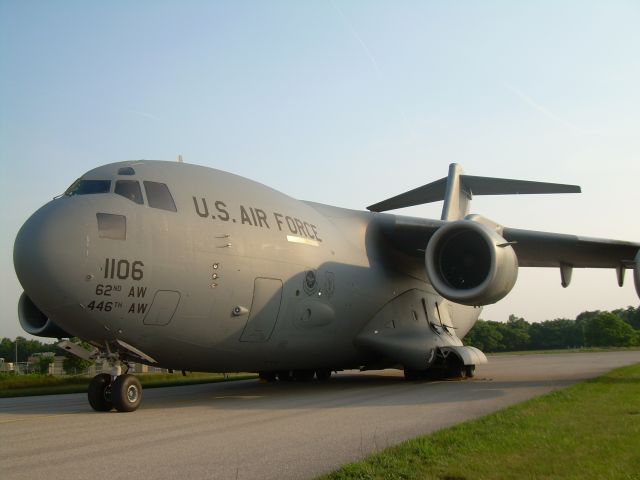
x=100 y=393
x=122 y=392
x=115 y=390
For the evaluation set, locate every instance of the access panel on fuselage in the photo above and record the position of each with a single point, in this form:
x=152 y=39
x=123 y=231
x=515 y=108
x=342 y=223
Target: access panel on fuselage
x=265 y=307
x=165 y=303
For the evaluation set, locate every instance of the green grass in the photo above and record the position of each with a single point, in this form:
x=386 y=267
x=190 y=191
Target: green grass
x=26 y=385
x=567 y=350
x=589 y=430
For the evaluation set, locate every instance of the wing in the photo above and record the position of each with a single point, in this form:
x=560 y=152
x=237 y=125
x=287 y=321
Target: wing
x=543 y=249
x=532 y=248
x=473 y=242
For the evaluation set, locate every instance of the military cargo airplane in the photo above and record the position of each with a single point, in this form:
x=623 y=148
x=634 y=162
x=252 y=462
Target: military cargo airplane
x=191 y=268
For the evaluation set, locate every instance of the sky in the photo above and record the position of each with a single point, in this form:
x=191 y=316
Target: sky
x=339 y=102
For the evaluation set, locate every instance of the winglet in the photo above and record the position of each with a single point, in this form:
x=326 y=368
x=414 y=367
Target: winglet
x=458 y=189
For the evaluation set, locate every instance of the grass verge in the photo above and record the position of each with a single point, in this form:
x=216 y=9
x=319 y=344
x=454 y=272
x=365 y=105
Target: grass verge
x=27 y=385
x=589 y=430
x=568 y=350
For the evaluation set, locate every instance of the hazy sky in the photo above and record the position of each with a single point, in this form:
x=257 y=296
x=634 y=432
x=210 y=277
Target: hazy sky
x=344 y=103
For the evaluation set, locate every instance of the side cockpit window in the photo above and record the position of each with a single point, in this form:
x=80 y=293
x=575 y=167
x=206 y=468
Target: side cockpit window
x=88 y=187
x=112 y=226
x=159 y=196
x=129 y=189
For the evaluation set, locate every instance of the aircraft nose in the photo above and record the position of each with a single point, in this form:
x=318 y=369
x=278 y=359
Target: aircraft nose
x=48 y=253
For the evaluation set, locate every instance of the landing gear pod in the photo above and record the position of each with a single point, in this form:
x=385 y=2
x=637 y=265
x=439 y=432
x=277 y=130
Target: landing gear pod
x=470 y=263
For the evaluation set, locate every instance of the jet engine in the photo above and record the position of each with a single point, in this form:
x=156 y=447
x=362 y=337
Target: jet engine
x=469 y=262
x=34 y=322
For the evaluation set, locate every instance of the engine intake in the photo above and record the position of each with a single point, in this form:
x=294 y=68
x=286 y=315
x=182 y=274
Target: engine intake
x=470 y=263
x=34 y=322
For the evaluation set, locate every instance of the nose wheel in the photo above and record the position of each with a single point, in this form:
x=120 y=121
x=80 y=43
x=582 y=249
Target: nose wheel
x=124 y=393
x=100 y=393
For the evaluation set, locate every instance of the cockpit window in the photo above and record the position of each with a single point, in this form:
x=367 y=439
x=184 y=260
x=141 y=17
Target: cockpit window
x=129 y=189
x=159 y=196
x=88 y=187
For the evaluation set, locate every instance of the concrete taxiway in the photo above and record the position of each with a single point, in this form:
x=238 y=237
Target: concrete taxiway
x=247 y=429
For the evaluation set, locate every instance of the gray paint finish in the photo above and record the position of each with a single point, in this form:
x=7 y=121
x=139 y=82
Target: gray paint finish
x=267 y=296
x=317 y=287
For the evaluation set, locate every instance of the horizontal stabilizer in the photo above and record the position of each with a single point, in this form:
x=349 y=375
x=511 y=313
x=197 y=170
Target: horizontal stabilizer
x=458 y=189
x=433 y=192
x=506 y=186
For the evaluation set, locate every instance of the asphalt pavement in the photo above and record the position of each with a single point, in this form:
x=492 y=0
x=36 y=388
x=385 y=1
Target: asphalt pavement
x=250 y=430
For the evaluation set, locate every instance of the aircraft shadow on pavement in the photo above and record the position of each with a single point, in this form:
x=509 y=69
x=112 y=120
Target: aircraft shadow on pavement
x=343 y=391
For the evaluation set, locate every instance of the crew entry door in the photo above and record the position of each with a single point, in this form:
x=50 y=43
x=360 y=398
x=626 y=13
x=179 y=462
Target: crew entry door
x=265 y=307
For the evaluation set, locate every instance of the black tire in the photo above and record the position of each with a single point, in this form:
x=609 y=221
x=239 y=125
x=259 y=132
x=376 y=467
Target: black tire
x=323 y=375
x=100 y=393
x=126 y=393
x=470 y=370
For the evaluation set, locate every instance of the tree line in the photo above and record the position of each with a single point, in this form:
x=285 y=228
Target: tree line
x=25 y=348
x=618 y=328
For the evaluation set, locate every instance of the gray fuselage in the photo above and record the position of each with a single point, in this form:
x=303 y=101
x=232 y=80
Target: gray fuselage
x=239 y=277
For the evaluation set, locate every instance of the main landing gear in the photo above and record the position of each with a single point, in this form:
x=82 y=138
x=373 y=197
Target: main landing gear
x=109 y=391
x=452 y=368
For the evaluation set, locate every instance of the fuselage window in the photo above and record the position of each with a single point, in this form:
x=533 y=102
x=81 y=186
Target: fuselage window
x=159 y=196
x=112 y=226
x=129 y=189
x=88 y=187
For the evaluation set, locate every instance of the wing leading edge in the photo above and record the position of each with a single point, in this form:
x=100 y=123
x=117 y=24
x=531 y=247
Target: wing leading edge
x=532 y=248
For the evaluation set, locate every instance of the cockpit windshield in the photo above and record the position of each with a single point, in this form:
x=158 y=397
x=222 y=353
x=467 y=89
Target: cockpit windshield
x=88 y=187
x=157 y=194
x=129 y=189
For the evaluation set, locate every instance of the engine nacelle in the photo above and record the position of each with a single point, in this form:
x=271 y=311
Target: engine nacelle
x=470 y=263
x=34 y=322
